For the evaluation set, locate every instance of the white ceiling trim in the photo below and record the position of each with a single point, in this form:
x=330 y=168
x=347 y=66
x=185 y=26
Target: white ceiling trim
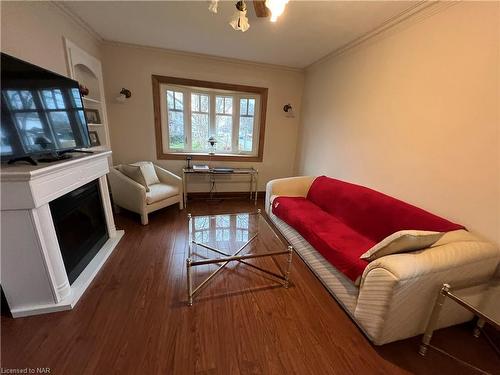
x=229 y=60
x=423 y=9
x=79 y=21
x=431 y=7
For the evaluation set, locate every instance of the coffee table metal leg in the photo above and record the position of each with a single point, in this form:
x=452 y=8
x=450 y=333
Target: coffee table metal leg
x=189 y=282
x=256 y=187
x=433 y=319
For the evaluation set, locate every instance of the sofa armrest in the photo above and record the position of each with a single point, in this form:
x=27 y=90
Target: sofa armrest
x=398 y=291
x=290 y=186
x=438 y=258
x=126 y=192
x=168 y=178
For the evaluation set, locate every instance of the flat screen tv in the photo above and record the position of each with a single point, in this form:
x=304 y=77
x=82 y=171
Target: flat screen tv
x=42 y=113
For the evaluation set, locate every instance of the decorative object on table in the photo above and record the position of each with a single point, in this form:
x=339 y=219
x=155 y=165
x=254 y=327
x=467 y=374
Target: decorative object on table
x=212 y=142
x=94 y=138
x=188 y=161
x=200 y=167
x=92 y=116
x=124 y=95
x=239 y=21
x=84 y=91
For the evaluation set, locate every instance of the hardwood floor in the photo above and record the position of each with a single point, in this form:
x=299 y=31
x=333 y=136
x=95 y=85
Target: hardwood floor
x=134 y=320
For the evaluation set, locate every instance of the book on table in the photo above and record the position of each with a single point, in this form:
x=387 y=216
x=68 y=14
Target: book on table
x=200 y=167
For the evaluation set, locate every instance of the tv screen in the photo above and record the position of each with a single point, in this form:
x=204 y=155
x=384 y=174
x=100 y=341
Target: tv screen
x=42 y=112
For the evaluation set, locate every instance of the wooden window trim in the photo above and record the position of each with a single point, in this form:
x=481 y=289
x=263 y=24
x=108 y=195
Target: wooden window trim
x=157 y=80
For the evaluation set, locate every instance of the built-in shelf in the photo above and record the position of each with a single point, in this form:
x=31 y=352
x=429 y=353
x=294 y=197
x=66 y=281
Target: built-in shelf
x=87 y=70
x=91 y=100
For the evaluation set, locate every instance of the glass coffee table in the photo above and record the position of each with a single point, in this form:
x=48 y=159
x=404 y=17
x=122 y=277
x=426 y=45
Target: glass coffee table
x=221 y=239
x=486 y=308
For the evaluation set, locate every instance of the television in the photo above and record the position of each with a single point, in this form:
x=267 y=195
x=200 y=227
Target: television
x=42 y=113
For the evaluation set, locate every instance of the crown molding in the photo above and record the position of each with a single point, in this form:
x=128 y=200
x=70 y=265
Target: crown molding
x=415 y=13
x=220 y=59
x=78 y=20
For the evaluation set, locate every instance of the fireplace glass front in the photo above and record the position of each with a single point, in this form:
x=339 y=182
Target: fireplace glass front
x=80 y=226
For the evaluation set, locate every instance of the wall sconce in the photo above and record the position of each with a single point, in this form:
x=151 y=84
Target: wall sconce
x=124 y=95
x=289 y=112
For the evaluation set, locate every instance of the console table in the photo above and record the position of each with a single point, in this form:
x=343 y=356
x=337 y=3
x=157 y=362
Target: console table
x=212 y=172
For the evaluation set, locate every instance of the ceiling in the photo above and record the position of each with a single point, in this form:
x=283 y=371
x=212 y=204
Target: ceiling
x=307 y=30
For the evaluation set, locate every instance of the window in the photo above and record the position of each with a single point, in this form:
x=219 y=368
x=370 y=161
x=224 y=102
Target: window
x=188 y=113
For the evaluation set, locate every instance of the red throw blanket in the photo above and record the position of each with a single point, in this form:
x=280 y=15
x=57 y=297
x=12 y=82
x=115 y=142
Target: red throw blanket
x=342 y=221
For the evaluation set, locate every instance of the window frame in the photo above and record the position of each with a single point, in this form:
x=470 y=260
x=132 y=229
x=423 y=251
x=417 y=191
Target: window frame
x=203 y=87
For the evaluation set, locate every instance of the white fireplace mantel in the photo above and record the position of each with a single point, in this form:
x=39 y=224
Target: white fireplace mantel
x=33 y=276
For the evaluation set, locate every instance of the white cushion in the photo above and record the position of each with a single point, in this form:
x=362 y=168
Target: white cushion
x=134 y=172
x=148 y=171
x=159 y=192
x=402 y=241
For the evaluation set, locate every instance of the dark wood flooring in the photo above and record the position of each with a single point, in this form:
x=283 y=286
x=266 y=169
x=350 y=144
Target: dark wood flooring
x=134 y=320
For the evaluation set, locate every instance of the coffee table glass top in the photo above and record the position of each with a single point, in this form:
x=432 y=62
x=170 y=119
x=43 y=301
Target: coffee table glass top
x=217 y=240
x=225 y=235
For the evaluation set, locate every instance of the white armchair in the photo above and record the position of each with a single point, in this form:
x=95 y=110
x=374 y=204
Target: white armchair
x=133 y=196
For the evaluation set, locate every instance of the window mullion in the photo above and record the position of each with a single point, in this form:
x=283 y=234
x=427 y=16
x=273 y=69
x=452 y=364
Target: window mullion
x=256 y=125
x=187 y=121
x=212 y=115
x=236 y=124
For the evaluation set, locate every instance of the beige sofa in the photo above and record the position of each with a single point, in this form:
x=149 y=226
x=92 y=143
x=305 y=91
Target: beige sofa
x=397 y=292
x=133 y=196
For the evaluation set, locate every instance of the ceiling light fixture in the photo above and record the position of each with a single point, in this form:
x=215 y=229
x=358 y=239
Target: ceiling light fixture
x=277 y=7
x=213 y=6
x=239 y=21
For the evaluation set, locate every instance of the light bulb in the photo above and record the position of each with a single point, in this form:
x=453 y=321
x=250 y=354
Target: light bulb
x=277 y=7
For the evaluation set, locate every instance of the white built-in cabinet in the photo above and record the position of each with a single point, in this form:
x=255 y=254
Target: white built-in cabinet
x=87 y=70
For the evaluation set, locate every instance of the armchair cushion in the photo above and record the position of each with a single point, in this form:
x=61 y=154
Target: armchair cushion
x=148 y=171
x=134 y=172
x=159 y=192
x=142 y=172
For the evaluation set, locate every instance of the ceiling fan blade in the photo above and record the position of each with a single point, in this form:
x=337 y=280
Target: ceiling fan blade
x=260 y=8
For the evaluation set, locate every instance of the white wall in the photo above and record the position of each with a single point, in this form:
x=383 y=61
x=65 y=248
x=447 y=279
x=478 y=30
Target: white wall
x=35 y=31
x=132 y=123
x=415 y=114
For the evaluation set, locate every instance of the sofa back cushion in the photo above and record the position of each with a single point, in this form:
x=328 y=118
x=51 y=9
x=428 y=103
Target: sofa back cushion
x=373 y=214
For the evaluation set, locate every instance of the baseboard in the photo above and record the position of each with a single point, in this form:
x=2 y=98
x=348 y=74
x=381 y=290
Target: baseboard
x=224 y=195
